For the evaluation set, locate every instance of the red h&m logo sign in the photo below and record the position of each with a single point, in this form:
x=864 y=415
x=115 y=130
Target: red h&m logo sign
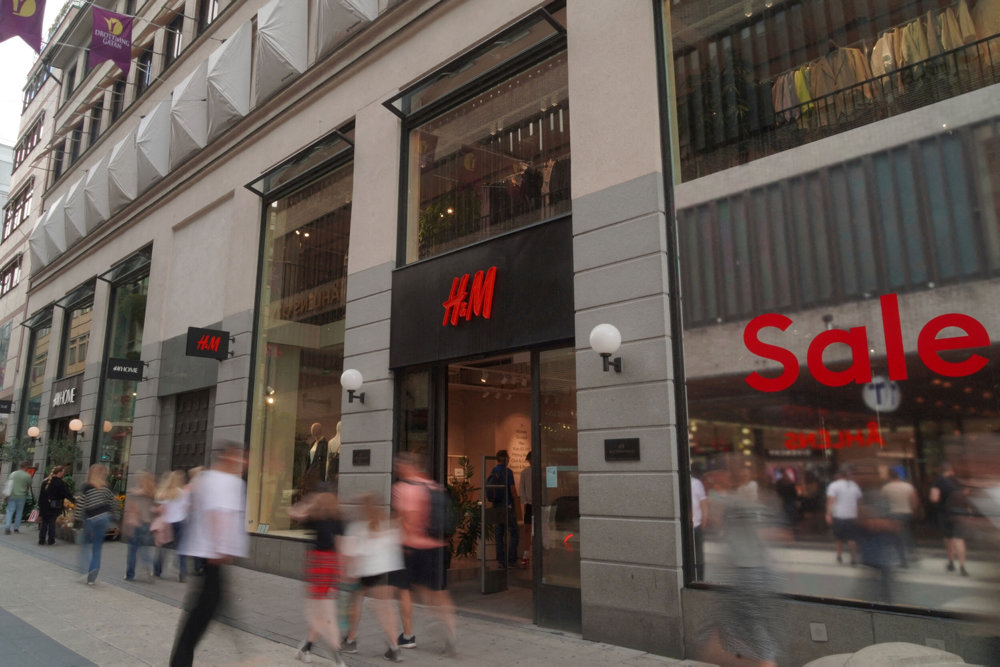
x=210 y=343
x=468 y=299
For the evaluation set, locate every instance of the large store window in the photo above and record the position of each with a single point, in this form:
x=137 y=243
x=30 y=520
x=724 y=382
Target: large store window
x=839 y=324
x=76 y=339
x=754 y=77
x=492 y=154
x=40 y=327
x=295 y=436
x=5 y=330
x=117 y=408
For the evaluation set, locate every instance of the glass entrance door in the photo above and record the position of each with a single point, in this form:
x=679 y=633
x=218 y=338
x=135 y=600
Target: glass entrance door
x=556 y=503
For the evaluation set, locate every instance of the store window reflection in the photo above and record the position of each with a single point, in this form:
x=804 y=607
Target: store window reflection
x=295 y=439
x=755 y=77
x=497 y=162
x=839 y=322
x=76 y=339
x=38 y=356
x=117 y=411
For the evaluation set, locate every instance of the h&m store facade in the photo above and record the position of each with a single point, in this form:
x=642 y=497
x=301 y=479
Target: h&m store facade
x=797 y=241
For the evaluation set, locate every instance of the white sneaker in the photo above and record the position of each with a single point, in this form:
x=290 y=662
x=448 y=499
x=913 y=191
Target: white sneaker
x=304 y=655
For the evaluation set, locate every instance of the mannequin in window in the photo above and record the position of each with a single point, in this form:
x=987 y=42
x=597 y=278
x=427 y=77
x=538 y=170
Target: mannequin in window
x=333 y=458
x=318 y=451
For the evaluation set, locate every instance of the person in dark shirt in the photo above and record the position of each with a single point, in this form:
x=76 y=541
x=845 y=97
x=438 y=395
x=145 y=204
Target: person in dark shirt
x=949 y=501
x=50 y=504
x=319 y=512
x=506 y=496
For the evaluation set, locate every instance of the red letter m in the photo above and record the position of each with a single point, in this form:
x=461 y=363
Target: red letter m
x=481 y=294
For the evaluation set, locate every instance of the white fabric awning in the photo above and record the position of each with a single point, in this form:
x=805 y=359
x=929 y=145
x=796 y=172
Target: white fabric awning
x=282 y=40
x=95 y=194
x=229 y=82
x=123 y=178
x=38 y=247
x=189 y=116
x=76 y=213
x=152 y=143
x=55 y=228
x=339 y=18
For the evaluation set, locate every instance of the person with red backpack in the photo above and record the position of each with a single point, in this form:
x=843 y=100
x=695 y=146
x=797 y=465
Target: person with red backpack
x=424 y=545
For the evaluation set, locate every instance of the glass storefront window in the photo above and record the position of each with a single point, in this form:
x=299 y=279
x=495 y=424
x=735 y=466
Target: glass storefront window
x=839 y=322
x=38 y=355
x=295 y=437
x=4 y=349
x=76 y=339
x=496 y=162
x=754 y=78
x=117 y=410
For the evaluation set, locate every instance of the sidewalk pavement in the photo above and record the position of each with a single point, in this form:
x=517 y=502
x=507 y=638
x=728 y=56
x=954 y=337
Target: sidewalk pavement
x=129 y=623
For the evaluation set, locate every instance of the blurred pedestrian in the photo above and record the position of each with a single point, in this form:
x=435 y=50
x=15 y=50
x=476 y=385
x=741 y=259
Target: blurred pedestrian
x=373 y=551
x=876 y=531
x=139 y=506
x=51 y=500
x=699 y=518
x=526 y=502
x=217 y=533
x=903 y=506
x=789 y=494
x=744 y=625
x=16 y=492
x=319 y=512
x=172 y=507
x=950 y=503
x=96 y=506
x=423 y=554
x=196 y=565
x=842 y=497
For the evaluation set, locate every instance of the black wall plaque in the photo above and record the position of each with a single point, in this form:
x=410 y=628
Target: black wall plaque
x=209 y=343
x=6 y=405
x=361 y=457
x=621 y=449
x=124 y=369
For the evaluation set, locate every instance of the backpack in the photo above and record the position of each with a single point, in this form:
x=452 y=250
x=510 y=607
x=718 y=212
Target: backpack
x=442 y=519
x=496 y=485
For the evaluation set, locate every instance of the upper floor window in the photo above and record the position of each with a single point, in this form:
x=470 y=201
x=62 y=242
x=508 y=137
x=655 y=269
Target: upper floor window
x=498 y=158
x=208 y=10
x=95 y=125
x=28 y=141
x=144 y=71
x=76 y=142
x=69 y=82
x=18 y=209
x=57 y=160
x=117 y=99
x=173 y=44
x=129 y=8
x=10 y=276
x=34 y=85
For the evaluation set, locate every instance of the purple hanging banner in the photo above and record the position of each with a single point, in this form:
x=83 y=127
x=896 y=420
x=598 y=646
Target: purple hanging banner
x=111 y=39
x=22 y=18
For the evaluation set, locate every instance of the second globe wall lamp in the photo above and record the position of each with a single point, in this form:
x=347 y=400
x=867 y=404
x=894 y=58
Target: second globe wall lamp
x=605 y=339
x=33 y=433
x=351 y=380
x=76 y=426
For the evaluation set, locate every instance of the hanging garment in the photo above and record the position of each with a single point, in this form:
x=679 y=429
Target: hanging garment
x=986 y=19
x=883 y=58
x=933 y=39
x=805 y=106
x=966 y=26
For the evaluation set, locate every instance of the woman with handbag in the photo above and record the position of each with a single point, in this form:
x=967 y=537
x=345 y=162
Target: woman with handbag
x=50 y=504
x=168 y=527
x=135 y=526
x=96 y=506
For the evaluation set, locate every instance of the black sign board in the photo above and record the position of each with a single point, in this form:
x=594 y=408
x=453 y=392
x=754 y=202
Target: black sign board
x=209 y=343
x=64 y=401
x=621 y=449
x=361 y=457
x=124 y=369
x=525 y=276
x=6 y=405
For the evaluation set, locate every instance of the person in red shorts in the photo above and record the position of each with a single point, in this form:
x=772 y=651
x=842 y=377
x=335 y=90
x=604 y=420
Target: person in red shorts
x=319 y=512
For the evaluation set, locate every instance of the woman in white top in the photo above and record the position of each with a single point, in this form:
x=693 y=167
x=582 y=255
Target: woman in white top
x=372 y=551
x=173 y=501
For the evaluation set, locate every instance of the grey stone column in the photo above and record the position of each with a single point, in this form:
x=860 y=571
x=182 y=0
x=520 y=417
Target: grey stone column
x=630 y=528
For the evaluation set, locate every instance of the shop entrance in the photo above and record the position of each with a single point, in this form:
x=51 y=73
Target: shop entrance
x=522 y=403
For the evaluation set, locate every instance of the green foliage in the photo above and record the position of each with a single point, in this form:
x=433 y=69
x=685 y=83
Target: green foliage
x=466 y=537
x=60 y=453
x=15 y=451
x=449 y=218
